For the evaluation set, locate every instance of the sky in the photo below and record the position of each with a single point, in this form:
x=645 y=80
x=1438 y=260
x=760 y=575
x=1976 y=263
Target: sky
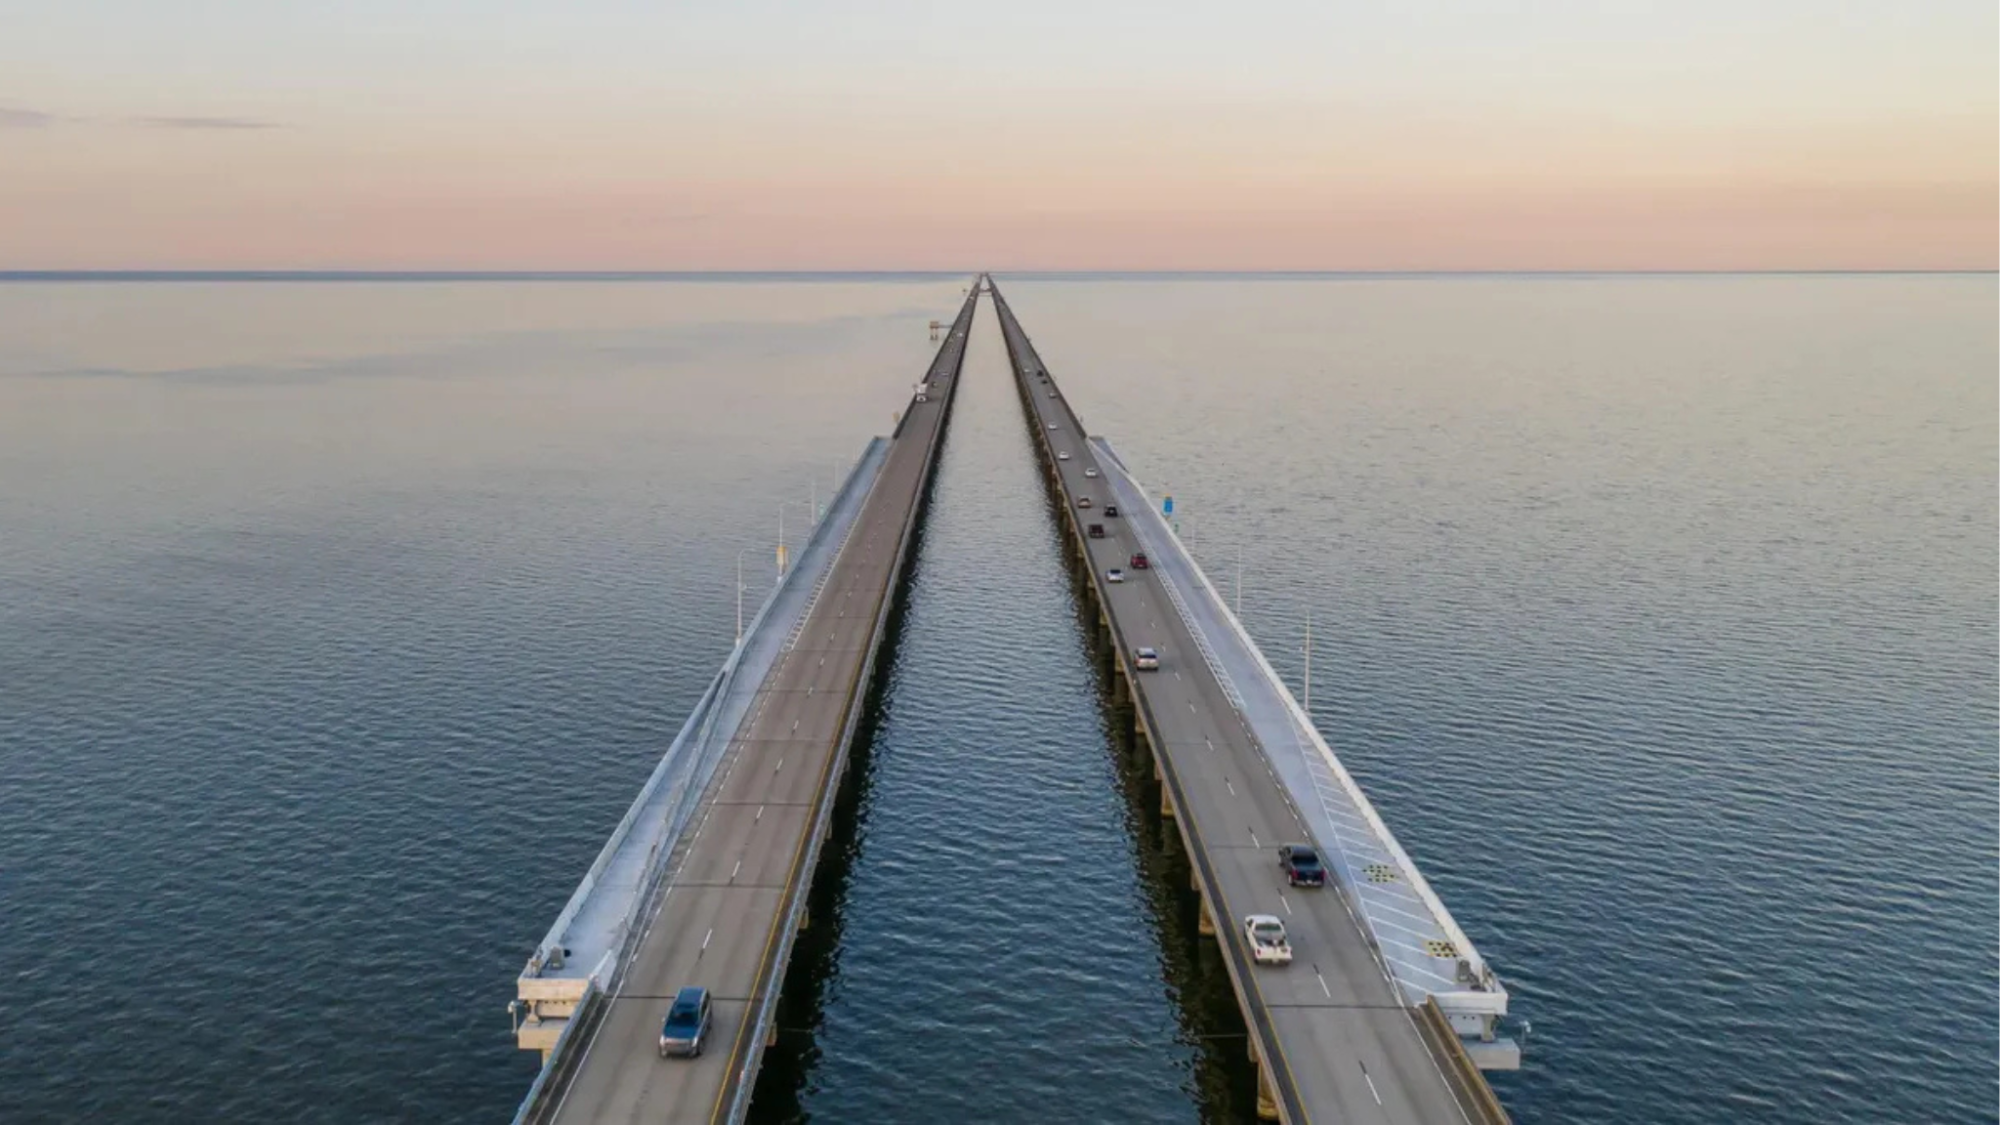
x=1004 y=135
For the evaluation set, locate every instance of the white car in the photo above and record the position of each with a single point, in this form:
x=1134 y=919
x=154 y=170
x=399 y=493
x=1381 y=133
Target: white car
x=1267 y=940
x=1091 y=473
x=1053 y=426
x=1146 y=660
x=1114 y=575
x=1062 y=456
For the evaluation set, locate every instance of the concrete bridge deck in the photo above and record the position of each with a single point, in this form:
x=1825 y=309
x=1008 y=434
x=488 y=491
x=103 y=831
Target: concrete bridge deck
x=1335 y=1037
x=732 y=894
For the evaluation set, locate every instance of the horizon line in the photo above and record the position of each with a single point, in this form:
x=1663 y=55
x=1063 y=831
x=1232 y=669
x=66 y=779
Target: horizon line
x=364 y=274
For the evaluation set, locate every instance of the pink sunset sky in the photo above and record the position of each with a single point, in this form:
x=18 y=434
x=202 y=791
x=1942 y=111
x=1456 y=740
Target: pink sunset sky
x=1257 y=134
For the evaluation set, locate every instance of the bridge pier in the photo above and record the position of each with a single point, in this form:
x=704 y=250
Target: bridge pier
x=1267 y=1100
x=1205 y=924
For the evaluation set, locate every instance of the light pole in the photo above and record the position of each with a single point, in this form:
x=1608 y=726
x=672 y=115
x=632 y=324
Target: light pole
x=1309 y=663
x=1239 y=579
x=739 y=596
x=782 y=505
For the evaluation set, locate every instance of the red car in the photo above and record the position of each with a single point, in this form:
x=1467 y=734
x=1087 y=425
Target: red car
x=1139 y=561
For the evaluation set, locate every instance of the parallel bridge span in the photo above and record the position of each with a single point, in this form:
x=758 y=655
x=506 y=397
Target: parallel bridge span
x=1387 y=1010
x=706 y=879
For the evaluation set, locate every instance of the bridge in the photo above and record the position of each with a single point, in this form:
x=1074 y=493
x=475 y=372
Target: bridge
x=705 y=881
x=1370 y=1022
x=1386 y=1015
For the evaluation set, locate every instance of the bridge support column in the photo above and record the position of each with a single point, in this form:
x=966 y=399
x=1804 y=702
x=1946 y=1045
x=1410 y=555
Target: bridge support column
x=771 y=1035
x=1267 y=1099
x=1166 y=804
x=805 y=920
x=1205 y=925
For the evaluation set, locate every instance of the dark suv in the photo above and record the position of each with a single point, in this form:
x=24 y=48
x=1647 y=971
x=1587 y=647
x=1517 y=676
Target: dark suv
x=1302 y=865
x=686 y=1025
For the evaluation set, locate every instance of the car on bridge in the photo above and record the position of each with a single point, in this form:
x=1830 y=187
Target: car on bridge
x=1268 y=944
x=1302 y=865
x=1146 y=659
x=1083 y=501
x=1111 y=510
x=1139 y=561
x=1091 y=472
x=1114 y=575
x=1061 y=456
x=686 y=1025
x=1096 y=531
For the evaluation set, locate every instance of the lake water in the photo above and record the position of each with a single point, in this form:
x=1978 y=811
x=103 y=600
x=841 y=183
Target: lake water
x=339 y=622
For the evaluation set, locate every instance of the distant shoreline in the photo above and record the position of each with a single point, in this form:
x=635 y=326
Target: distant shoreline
x=909 y=275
